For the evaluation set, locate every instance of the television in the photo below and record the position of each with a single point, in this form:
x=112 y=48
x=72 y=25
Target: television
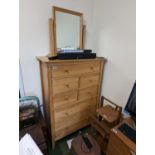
x=130 y=107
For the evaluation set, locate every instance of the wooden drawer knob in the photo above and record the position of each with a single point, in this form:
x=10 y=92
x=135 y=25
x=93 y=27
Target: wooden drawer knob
x=91 y=68
x=66 y=71
x=67 y=85
x=66 y=114
x=66 y=98
x=90 y=80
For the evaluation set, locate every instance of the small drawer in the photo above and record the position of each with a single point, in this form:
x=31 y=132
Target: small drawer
x=62 y=100
x=89 y=68
x=64 y=85
x=63 y=70
x=88 y=81
x=88 y=93
x=74 y=69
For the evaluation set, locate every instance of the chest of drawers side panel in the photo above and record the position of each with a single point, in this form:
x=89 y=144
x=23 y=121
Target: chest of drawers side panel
x=46 y=83
x=45 y=91
x=52 y=109
x=102 y=63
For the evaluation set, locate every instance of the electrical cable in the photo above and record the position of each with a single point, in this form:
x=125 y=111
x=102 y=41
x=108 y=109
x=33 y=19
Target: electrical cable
x=83 y=149
x=21 y=77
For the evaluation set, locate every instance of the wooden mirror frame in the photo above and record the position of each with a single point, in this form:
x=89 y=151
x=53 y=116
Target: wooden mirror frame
x=53 y=26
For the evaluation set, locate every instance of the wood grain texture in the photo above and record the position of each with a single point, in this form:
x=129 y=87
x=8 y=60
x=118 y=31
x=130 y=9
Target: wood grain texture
x=76 y=118
x=102 y=64
x=119 y=144
x=51 y=38
x=44 y=83
x=70 y=89
x=88 y=81
x=52 y=119
x=77 y=69
x=87 y=93
x=65 y=84
x=72 y=109
x=117 y=147
x=63 y=99
x=83 y=36
x=72 y=61
x=68 y=130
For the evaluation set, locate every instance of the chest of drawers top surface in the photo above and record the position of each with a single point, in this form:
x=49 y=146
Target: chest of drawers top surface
x=46 y=60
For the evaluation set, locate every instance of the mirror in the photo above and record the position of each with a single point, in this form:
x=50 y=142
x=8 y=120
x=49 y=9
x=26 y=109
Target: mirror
x=67 y=29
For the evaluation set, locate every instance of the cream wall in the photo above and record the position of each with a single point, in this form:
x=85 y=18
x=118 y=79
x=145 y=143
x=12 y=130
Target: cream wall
x=34 y=36
x=33 y=41
x=114 y=36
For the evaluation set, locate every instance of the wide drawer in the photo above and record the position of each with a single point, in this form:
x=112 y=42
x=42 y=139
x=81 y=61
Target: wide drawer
x=88 y=93
x=70 y=129
x=74 y=118
x=64 y=85
x=87 y=81
x=73 y=113
x=70 y=109
x=62 y=100
x=76 y=69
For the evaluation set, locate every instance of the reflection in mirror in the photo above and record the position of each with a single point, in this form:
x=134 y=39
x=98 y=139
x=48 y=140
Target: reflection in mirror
x=67 y=31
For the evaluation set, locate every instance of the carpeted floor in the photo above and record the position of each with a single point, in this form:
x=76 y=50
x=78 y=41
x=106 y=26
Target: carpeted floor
x=61 y=147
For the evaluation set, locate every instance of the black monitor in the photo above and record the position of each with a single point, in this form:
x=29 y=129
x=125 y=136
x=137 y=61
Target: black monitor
x=131 y=104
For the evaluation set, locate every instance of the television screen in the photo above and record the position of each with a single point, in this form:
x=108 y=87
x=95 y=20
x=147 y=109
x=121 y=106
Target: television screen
x=131 y=104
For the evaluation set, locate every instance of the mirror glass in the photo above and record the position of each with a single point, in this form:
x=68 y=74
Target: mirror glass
x=68 y=31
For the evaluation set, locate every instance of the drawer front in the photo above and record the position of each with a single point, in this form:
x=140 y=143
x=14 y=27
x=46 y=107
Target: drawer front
x=72 y=69
x=88 y=81
x=73 y=117
x=71 y=109
x=62 y=100
x=64 y=85
x=88 y=93
x=69 y=130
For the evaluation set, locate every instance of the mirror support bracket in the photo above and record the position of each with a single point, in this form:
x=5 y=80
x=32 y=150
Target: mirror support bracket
x=52 y=52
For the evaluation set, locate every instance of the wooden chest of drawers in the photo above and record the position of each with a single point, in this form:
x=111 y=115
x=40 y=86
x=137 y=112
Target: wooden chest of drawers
x=71 y=90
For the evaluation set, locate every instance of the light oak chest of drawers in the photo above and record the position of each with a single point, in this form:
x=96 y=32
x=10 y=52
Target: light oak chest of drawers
x=71 y=91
